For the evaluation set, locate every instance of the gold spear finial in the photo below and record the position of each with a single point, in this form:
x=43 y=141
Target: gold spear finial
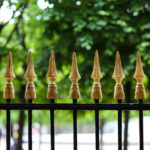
x=118 y=72
x=52 y=75
x=118 y=76
x=74 y=77
x=9 y=76
x=139 y=76
x=30 y=75
x=96 y=76
x=52 y=71
x=139 y=73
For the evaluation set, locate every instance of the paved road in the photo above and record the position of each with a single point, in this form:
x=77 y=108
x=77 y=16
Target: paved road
x=64 y=142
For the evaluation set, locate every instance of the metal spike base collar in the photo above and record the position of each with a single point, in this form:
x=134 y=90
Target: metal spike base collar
x=140 y=91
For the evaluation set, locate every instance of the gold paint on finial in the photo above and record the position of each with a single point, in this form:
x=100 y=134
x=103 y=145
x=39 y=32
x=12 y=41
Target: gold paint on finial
x=118 y=76
x=9 y=76
x=139 y=73
x=96 y=76
x=74 y=77
x=139 y=76
x=52 y=75
x=30 y=75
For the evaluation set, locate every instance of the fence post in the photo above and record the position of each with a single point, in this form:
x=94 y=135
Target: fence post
x=52 y=93
x=8 y=95
x=118 y=76
x=96 y=94
x=30 y=94
x=74 y=95
x=140 y=95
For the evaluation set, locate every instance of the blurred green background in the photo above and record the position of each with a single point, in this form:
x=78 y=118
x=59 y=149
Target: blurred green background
x=67 y=26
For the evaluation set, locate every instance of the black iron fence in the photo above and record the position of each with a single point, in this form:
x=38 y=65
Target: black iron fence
x=96 y=94
x=75 y=107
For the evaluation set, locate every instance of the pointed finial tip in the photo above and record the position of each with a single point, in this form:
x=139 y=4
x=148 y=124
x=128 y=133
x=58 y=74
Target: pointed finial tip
x=52 y=54
x=96 y=73
x=74 y=57
x=52 y=51
x=96 y=53
x=138 y=53
x=52 y=71
x=117 y=53
x=30 y=53
x=9 y=54
x=74 y=71
x=74 y=53
x=9 y=70
x=139 y=73
x=30 y=74
x=118 y=71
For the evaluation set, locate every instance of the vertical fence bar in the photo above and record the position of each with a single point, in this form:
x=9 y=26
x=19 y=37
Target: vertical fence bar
x=119 y=94
x=52 y=126
x=97 y=125
x=140 y=94
x=30 y=126
x=52 y=93
x=8 y=138
x=96 y=94
x=8 y=95
x=119 y=127
x=74 y=95
x=75 y=126
x=141 y=127
x=30 y=94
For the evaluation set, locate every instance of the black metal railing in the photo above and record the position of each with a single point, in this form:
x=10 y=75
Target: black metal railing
x=75 y=107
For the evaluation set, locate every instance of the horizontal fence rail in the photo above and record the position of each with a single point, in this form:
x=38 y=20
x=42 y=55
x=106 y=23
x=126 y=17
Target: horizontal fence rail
x=96 y=95
x=63 y=106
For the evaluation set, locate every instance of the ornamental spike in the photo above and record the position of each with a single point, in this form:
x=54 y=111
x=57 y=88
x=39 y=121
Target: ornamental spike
x=74 y=77
x=139 y=76
x=139 y=73
x=118 y=76
x=9 y=76
x=30 y=92
x=118 y=72
x=96 y=76
x=52 y=71
x=52 y=92
x=30 y=73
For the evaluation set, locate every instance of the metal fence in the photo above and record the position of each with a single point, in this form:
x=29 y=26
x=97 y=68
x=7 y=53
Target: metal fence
x=96 y=94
